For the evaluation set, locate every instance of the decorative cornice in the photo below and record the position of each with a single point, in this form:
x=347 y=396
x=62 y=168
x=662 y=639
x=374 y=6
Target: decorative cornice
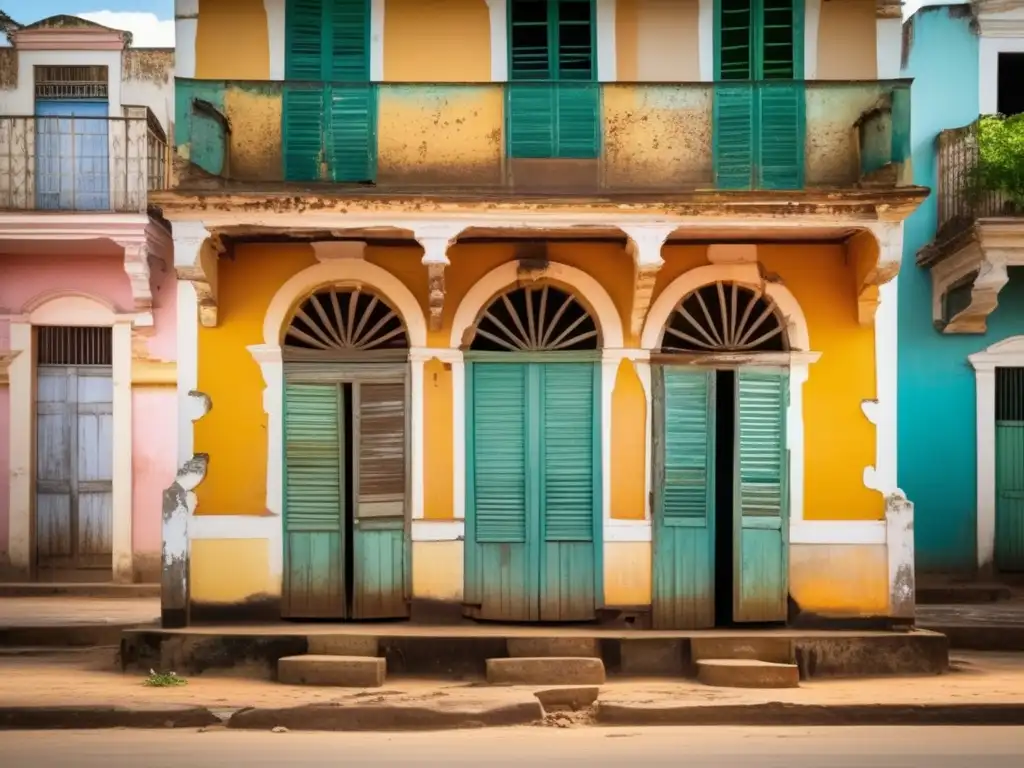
x=888 y=9
x=68 y=39
x=6 y=358
x=999 y=18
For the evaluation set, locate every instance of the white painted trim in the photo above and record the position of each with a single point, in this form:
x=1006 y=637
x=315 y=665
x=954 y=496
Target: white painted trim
x=862 y=532
x=507 y=275
x=377 y=14
x=1008 y=353
x=881 y=412
x=187 y=344
x=799 y=340
x=706 y=39
x=620 y=531
x=123 y=570
x=459 y=439
x=812 y=21
x=499 y=40
x=888 y=48
x=275 y=12
x=438 y=530
x=185 y=31
x=337 y=272
x=70 y=309
x=607 y=59
x=609 y=372
x=214 y=527
x=989 y=49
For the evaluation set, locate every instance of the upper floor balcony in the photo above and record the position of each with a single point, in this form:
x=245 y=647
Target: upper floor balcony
x=514 y=140
x=979 y=230
x=70 y=162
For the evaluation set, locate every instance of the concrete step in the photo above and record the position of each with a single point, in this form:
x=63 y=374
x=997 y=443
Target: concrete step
x=564 y=647
x=764 y=648
x=747 y=673
x=341 y=671
x=342 y=645
x=546 y=670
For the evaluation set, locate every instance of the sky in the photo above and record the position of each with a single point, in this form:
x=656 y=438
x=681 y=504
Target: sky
x=151 y=22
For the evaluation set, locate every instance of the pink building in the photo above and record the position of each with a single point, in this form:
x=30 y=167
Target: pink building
x=87 y=304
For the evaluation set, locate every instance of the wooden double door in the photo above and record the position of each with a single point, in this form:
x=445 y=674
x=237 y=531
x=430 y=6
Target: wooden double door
x=346 y=491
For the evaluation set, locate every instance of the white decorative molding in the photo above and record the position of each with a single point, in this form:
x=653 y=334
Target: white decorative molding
x=799 y=340
x=997 y=34
x=607 y=58
x=881 y=411
x=378 y=13
x=1008 y=353
x=275 y=10
x=706 y=40
x=499 y=40
x=889 y=237
x=812 y=21
x=196 y=255
x=644 y=245
x=888 y=47
x=985 y=253
x=187 y=357
x=436 y=240
x=186 y=25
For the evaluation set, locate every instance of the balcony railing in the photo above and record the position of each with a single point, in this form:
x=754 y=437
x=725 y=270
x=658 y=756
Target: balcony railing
x=964 y=195
x=87 y=164
x=576 y=138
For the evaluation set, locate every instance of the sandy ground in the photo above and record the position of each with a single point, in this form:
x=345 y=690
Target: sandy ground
x=693 y=747
x=90 y=677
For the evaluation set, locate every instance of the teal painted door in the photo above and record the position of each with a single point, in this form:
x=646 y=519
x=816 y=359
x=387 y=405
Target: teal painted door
x=684 y=499
x=759 y=97
x=314 y=502
x=1010 y=469
x=533 y=500
x=761 y=497
x=379 y=540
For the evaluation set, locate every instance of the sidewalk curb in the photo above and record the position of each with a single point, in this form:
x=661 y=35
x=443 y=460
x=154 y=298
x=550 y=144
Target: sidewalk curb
x=781 y=713
x=386 y=717
x=104 y=716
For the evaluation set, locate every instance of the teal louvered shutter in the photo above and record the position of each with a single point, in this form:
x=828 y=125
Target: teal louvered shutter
x=578 y=129
x=304 y=44
x=302 y=132
x=314 y=511
x=687 y=498
x=352 y=133
x=499 y=452
x=569 y=445
x=781 y=136
x=762 y=477
x=348 y=25
x=531 y=120
x=734 y=118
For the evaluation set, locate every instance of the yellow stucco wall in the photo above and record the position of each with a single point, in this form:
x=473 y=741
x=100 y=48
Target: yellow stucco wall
x=437 y=41
x=840 y=579
x=846 y=40
x=231 y=41
x=230 y=571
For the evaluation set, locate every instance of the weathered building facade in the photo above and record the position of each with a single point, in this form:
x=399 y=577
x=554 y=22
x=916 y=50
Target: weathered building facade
x=549 y=311
x=962 y=302
x=87 y=397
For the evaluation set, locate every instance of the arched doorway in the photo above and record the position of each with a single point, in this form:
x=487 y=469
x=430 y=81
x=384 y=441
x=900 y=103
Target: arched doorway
x=721 y=465
x=346 y=469
x=533 y=458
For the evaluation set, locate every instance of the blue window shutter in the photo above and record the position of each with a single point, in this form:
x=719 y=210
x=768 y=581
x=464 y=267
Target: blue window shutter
x=762 y=475
x=304 y=39
x=348 y=22
x=735 y=128
x=688 y=495
x=781 y=136
x=352 y=135
x=302 y=132
x=499 y=439
x=568 y=443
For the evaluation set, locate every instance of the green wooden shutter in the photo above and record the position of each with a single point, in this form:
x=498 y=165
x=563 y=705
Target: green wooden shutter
x=531 y=120
x=352 y=133
x=499 y=452
x=314 y=501
x=302 y=132
x=762 y=478
x=781 y=136
x=688 y=497
x=569 y=444
x=578 y=131
x=304 y=43
x=348 y=25
x=735 y=129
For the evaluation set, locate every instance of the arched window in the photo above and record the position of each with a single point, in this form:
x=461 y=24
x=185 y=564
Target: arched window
x=725 y=317
x=538 y=318
x=346 y=319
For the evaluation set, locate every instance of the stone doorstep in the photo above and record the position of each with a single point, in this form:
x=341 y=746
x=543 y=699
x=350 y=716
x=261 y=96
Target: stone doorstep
x=340 y=671
x=545 y=670
x=747 y=673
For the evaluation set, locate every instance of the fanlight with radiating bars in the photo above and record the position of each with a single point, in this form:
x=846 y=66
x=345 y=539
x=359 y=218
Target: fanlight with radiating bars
x=346 y=319
x=725 y=317
x=535 y=319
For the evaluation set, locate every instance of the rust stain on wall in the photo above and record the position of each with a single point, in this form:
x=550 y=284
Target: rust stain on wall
x=155 y=65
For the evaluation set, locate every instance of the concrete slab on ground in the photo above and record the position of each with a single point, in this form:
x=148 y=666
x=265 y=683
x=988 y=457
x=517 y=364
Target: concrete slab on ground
x=337 y=671
x=747 y=673
x=106 y=590
x=72 y=621
x=986 y=627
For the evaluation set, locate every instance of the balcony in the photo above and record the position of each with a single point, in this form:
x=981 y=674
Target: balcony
x=514 y=140
x=82 y=164
x=980 y=225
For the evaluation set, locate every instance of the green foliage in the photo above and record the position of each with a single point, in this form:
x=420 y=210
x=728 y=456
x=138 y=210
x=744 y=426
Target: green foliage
x=163 y=680
x=1001 y=157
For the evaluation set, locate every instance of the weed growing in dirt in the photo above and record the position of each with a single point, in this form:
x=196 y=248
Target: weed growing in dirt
x=163 y=680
